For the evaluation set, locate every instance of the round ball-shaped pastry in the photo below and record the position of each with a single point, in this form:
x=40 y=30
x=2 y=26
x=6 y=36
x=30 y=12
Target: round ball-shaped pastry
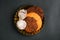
x=29 y=20
x=21 y=24
x=22 y=14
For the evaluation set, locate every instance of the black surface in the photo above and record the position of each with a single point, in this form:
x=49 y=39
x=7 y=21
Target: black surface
x=51 y=29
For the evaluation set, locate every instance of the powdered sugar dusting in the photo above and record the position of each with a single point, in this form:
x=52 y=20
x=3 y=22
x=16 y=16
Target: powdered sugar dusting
x=21 y=24
x=22 y=14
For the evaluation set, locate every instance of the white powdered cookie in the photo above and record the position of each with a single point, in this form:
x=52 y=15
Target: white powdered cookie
x=22 y=14
x=21 y=24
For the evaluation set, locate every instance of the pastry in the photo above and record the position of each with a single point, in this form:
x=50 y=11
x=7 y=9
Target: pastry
x=29 y=20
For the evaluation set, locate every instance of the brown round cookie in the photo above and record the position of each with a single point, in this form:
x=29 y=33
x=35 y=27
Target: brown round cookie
x=31 y=24
x=36 y=9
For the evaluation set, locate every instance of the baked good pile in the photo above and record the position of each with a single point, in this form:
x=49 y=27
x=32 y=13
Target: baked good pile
x=29 y=20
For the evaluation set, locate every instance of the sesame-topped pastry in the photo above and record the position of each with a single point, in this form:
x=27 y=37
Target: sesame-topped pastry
x=29 y=20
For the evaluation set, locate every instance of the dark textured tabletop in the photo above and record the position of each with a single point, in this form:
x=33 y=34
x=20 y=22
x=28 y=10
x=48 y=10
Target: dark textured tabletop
x=51 y=28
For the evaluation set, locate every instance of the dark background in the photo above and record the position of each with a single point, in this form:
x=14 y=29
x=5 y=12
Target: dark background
x=51 y=28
